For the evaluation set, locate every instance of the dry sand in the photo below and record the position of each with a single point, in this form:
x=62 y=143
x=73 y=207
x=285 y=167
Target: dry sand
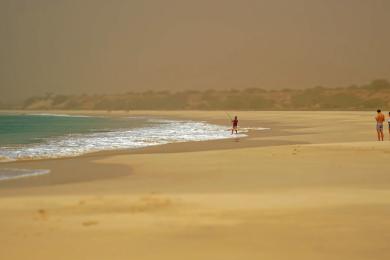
x=315 y=186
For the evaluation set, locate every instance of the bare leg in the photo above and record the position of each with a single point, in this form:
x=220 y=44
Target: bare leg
x=382 y=135
x=378 y=132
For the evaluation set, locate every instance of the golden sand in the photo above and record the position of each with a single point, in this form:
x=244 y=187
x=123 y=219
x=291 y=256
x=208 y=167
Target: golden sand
x=315 y=186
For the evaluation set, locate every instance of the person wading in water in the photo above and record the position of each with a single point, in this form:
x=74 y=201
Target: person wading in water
x=235 y=125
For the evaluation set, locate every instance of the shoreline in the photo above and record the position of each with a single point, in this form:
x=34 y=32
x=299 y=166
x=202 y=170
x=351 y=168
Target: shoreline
x=89 y=158
x=103 y=151
x=315 y=186
x=57 y=175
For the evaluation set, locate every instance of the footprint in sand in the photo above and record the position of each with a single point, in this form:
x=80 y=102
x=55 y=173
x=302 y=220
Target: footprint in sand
x=90 y=223
x=150 y=203
x=42 y=214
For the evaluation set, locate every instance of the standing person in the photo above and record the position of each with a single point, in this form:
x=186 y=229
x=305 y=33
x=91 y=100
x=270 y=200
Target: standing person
x=380 y=118
x=235 y=125
x=388 y=122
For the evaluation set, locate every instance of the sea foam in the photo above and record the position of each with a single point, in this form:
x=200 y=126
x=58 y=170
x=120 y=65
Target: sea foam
x=160 y=132
x=15 y=173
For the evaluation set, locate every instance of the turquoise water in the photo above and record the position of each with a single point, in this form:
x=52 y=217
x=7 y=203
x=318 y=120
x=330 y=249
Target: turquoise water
x=51 y=136
x=28 y=129
x=43 y=136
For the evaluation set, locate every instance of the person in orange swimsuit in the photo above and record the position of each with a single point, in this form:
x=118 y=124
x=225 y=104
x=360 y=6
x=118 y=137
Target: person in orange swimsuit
x=380 y=118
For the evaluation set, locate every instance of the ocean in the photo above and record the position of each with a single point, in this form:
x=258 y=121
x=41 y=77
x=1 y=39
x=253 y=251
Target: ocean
x=40 y=136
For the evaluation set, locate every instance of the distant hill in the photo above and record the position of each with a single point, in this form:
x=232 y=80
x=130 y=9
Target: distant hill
x=366 y=97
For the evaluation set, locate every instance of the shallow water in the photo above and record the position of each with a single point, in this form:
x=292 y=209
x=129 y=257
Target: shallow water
x=52 y=136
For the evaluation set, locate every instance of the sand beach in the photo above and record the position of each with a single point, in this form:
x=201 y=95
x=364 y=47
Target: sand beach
x=315 y=185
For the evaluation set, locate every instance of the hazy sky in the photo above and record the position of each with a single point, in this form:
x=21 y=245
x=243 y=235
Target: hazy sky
x=101 y=46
